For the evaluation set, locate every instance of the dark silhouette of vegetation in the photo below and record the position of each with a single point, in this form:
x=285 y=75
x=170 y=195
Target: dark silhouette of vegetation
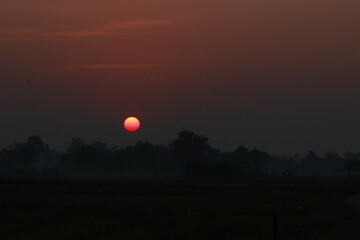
x=188 y=155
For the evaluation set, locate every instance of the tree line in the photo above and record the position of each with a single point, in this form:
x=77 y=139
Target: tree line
x=189 y=155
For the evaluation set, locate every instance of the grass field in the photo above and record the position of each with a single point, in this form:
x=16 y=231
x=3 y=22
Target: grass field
x=114 y=208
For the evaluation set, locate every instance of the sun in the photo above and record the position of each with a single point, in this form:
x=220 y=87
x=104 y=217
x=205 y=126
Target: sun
x=132 y=124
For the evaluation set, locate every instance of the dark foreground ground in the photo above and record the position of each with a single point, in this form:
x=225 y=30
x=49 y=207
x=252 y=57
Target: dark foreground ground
x=114 y=208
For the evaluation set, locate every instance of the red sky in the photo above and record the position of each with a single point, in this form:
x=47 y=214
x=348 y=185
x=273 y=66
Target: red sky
x=278 y=75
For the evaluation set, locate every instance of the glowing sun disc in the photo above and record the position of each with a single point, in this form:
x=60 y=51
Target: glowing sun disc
x=132 y=124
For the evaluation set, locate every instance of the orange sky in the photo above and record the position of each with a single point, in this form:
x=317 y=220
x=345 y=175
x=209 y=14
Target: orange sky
x=259 y=68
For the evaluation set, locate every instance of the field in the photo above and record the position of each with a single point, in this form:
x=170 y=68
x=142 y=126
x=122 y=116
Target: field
x=115 y=208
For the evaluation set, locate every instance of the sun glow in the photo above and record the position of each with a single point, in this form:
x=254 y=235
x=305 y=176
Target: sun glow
x=132 y=124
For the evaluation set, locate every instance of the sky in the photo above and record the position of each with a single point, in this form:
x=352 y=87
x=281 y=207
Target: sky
x=282 y=76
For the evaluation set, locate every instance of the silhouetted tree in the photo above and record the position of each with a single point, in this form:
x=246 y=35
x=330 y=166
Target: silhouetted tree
x=188 y=145
x=31 y=150
x=192 y=151
x=251 y=161
x=350 y=156
x=189 y=154
x=79 y=156
x=33 y=154
x=311 y=163
x=334 y=163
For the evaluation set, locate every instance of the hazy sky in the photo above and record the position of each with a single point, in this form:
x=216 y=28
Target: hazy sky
x=279 y=75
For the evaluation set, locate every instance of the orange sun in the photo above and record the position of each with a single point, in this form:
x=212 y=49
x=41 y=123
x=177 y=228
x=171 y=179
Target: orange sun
x=131 y=124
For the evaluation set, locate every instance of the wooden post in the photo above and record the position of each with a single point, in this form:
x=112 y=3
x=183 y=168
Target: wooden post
x=275 y=226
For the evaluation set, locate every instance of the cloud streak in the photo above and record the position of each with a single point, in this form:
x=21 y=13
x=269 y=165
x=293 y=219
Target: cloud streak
x=104 y=66
x=112 y=28
x=80 y=33
x=134 y=24
x=21 y=31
